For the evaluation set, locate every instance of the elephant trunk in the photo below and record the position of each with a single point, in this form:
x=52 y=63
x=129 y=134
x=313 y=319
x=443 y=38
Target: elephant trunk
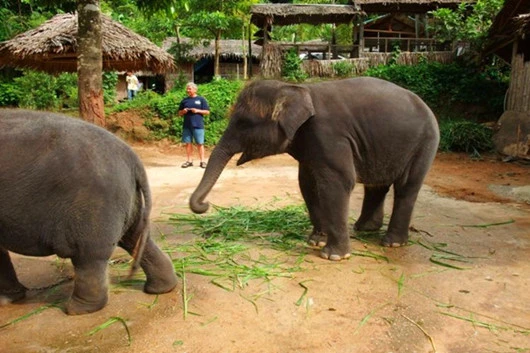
x=216 y=163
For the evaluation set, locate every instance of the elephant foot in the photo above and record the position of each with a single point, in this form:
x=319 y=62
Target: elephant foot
x=76 y=306
x=394 y=241
x=317 y=239
x=13 y=295
x=369 y=226
x=161 y=285
x=334 y=253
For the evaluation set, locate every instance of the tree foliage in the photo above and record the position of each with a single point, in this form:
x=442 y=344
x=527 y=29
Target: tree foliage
x=468 y=22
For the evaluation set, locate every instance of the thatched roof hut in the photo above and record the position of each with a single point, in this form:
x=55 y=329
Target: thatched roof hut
x=228 y=48
x=509 y=38
x=511 y=24
x=287 y=14
x=52 y=47
x=406 y=6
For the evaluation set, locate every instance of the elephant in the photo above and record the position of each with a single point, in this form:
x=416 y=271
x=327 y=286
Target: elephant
x=73 y=189
x=362 y=129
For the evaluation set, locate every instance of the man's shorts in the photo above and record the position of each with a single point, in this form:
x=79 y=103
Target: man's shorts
x=196 y=135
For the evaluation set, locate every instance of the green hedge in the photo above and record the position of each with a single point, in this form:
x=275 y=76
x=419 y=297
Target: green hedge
x=451 y=88
x=162 y=118
x=39 y=90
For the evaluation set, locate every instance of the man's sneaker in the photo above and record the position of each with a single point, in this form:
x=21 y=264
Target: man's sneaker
x=203 y=164
x=187 y=164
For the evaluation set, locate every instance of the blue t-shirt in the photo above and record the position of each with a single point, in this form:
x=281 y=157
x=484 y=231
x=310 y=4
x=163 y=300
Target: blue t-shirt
x=191 y=120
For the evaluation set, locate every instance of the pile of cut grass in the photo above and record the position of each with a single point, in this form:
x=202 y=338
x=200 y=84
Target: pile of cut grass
x=282 y=228
x=224 y=253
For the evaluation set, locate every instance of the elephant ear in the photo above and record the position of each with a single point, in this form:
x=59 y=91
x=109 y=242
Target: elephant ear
x=293 y=107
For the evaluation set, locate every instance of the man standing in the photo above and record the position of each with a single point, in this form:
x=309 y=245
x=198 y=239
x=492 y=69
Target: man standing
x=193 y=108
x=132 y=85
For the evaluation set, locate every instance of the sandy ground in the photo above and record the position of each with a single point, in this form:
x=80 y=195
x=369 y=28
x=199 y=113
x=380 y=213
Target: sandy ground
x=403 y=302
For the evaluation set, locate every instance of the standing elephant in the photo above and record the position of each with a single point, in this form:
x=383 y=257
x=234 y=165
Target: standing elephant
x=73 y=189
x=361 y=129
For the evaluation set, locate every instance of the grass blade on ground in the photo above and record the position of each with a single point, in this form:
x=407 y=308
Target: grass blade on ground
x=109 y=322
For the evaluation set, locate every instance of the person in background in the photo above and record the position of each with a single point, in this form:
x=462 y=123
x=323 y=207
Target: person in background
x=132 y=85
x=193 y=108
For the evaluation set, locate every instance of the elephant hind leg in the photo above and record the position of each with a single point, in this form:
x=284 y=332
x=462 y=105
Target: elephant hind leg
x=405 y=196
x=372 y=213
x=10 y=288
x=90 y=286
x=158 y=268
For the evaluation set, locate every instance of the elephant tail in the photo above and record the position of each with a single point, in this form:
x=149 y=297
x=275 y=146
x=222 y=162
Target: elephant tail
x=142 y=230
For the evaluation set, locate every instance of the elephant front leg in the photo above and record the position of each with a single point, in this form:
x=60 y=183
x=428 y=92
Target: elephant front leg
x=326 y=194
x=307 y=187
x=10 y=288
x=317 y=238
x=90 y=286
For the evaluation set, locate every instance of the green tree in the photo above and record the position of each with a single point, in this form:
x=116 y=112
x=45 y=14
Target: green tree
x=204 y=19
x=468 y=22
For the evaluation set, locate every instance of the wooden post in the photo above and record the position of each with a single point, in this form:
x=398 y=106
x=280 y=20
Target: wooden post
x=361 y=36
x=90 y=62
x=249 y=50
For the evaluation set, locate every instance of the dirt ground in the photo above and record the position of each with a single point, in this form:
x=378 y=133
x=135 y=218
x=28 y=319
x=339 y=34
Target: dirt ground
x=472 y=214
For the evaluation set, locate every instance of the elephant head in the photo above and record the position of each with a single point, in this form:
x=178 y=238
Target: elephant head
x=263 y=122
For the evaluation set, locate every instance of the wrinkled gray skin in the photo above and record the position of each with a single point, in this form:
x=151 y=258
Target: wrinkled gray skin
x=75 y=190
x=341 y=132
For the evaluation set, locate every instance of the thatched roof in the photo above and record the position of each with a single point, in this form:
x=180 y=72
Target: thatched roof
x=512 y=21
x=286 y=14
x=52 y=47
x=522 y=24
x=228 y=48
x=406 y=6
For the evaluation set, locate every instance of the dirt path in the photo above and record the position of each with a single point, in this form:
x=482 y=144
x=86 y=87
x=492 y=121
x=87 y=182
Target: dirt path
x=403 y=301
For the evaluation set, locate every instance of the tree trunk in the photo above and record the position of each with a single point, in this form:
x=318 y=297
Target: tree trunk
x=245 y=54
x=90 y=62
x=216 y=71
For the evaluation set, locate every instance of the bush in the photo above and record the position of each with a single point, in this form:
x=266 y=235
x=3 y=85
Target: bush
x=9 y=95
x=451 y=85
x=343 y=68
x=291 y=68
x=110 y=81
x=465 y=136
x=37 y=91
x=165 y=122
x=66 y=90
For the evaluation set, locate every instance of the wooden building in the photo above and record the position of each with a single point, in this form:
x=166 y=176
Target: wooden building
x=509 y=38
x=400 y=23
x=198 y=65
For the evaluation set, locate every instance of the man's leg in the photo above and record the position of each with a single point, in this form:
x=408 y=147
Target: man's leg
x=201 y=152
x=186 y=138
x=189 y=151
x=198 y=135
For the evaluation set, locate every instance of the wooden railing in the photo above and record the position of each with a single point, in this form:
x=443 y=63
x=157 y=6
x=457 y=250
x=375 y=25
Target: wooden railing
x=369 y=44
x=388 y=44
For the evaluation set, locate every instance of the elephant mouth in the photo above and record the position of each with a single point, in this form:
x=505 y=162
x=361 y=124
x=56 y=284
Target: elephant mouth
x=257 y=153
x=245 y=157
